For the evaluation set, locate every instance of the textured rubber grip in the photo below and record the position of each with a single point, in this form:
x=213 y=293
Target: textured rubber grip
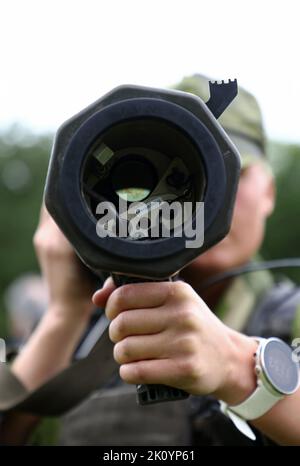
x=150 y=394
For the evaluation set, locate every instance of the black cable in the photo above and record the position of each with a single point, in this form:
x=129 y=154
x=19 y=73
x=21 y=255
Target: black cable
x=252 y=267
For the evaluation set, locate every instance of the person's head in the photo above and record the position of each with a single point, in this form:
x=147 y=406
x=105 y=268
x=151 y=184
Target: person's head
x=242 y=121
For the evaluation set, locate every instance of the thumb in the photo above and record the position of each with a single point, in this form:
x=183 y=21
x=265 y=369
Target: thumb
x=101 y=296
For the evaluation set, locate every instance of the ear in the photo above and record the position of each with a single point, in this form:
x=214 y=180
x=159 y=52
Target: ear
x=269 y=194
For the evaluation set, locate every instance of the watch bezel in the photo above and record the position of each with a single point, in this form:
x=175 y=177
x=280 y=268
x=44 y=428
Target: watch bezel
x=265 y=370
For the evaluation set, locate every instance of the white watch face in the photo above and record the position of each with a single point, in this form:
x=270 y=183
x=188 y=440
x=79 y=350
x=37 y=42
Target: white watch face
x=279 y=367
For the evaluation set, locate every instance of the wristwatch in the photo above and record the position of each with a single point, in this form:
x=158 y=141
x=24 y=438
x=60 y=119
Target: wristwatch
x=277 y=376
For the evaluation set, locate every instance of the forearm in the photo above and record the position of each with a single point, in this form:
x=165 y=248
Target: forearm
x=282 y=422
x=50 y=348
x=48 y=351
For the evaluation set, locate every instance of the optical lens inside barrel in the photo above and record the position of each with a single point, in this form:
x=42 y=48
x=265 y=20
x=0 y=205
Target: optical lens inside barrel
x=142 y=160
x=133 y=179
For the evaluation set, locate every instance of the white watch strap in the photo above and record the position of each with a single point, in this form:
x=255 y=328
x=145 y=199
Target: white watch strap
x=261 y=401
x=239 y=423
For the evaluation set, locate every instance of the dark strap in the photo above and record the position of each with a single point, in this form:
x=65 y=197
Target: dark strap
x=67 y=389
x=63 y=391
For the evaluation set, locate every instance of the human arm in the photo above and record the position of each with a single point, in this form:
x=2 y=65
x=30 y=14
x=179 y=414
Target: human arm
x=164 y=333
x=51 y=346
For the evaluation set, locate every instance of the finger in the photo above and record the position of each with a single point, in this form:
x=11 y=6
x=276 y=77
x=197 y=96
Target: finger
x=47 y=219
x=139 y=322
x=138 y=348
x=44 y=214
x=101 y=296
x=48 y=231
x=136 y=296
x=155 y=371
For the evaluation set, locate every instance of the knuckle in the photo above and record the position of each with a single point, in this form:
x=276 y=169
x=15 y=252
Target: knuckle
x=182 y=290
x=131 y=373
x=166 y=289
x=134 y=373
x=190 y=319
x=117 y=328
x=121 y=295
x=112 y=332
x=139 y=373
x=187 y=318
x=50 y=245
x=122 y=352
x=188 y=345
x=50 y=250
x=44 y=247
x=118 y=353
x=189 y=369
x=37 y=240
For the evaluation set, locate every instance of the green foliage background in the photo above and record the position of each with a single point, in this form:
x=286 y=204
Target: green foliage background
x=19 y=206
x=20 y=200
x=283 y=227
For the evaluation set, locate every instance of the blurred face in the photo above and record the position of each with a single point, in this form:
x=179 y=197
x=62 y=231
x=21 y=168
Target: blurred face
x=254 y=203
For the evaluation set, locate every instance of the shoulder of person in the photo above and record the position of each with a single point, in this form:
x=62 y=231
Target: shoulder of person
x=277 y=313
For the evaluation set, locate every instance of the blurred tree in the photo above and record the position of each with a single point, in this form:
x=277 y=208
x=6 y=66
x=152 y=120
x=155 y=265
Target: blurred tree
x=23 y=165
x=283 y=229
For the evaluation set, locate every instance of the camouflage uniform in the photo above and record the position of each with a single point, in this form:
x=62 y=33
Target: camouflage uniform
x=253 y=304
